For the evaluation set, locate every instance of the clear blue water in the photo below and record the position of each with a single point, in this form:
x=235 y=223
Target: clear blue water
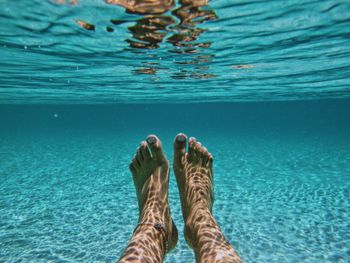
x=282 y=178
x=265 y=85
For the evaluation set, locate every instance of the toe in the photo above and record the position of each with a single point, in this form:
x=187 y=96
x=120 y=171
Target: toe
x=132 y=168
x=198 y=152
x=136 y=162
x=210 y=161
x=139 y=155
x=191 y=149
x=134 y=165
x=179 y=148
x=156 y=148
x=145 y=151
x=204 y=156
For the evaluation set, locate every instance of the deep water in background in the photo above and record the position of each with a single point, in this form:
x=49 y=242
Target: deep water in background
x=282 y=178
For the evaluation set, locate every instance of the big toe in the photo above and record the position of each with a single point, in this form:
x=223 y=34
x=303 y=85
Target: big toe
x=156 y=148
x=179 y=148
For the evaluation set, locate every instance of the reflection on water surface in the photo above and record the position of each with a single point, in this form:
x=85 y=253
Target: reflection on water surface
x=178 y=28
x=70 y=51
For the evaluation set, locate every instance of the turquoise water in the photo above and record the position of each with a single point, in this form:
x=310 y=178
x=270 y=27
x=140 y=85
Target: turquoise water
x=282 y=182
x=228 y=50
x=264 y=85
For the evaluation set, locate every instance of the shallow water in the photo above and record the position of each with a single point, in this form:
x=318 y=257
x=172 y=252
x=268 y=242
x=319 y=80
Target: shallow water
x=224 y=51
x=281 y=178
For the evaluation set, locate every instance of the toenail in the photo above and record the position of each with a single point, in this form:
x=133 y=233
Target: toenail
x=151 y=140
x=181 y=138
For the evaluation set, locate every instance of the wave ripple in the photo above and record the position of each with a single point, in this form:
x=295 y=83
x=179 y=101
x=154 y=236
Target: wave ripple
x=108 y=52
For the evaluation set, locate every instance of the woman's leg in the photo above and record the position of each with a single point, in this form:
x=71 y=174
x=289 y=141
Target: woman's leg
x=156 y=233
x=194 y=175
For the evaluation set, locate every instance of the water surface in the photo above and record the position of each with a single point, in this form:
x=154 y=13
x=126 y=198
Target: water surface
x=220 y=51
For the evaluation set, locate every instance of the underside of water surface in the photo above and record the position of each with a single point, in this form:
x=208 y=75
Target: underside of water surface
x=94 y=51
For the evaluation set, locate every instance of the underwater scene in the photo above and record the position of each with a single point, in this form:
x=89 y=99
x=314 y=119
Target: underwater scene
x=263 y=85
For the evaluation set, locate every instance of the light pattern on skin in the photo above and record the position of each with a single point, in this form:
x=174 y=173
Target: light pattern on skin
x=150 y=170
x=194 y=175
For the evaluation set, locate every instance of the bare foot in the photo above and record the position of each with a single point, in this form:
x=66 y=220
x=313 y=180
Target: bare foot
x=194 y=175
x=150 y=170
x=193 y=171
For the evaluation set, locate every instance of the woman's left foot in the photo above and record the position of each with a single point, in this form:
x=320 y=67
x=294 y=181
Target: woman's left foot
x=150 y=170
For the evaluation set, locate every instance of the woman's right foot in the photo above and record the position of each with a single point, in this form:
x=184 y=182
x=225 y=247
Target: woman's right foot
x=194 y=176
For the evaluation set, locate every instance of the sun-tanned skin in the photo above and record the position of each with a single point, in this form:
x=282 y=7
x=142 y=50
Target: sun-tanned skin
x=150 y=170
x=194 y=175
